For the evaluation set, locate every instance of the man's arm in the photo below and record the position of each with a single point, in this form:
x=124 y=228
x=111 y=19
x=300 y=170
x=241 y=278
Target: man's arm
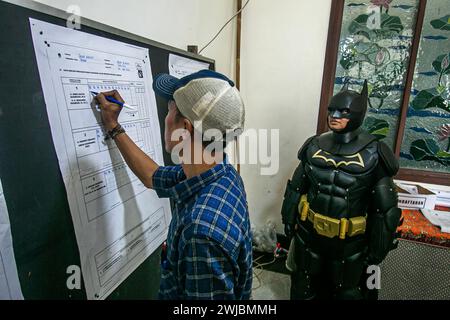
x=139 y=162
x=295 y=188
x=384 y=215
x=383 y=220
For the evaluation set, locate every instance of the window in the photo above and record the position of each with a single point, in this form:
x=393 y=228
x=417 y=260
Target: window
x=402 y=48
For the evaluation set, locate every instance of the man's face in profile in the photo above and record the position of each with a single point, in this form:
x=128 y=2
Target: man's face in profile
x=336 y=120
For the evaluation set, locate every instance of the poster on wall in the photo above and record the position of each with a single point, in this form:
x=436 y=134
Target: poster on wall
x=118 y=221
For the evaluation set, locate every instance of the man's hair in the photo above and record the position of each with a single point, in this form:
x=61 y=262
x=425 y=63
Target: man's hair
x=178 y=115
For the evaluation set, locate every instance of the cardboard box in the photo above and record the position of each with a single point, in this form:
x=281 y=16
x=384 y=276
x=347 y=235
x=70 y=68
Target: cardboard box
x=413 y=196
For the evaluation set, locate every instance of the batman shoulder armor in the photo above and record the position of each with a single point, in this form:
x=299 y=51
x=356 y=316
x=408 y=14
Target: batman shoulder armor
x=387 y=159
x=302 y=151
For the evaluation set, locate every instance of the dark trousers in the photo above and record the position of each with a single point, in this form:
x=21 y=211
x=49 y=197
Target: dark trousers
x=320 y=276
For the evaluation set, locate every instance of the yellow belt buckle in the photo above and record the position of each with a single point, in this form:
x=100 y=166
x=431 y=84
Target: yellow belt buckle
x=303 y=207
x=326 y=226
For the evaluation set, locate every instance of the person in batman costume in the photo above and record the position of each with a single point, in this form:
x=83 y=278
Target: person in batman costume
x=340 y=207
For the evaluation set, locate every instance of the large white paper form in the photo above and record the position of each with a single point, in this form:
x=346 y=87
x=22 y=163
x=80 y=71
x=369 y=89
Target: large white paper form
x=9 y=279
x=180 y=67
x=118 y=221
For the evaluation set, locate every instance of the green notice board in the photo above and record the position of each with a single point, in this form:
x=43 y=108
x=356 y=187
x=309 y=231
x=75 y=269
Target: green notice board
x=41 y=225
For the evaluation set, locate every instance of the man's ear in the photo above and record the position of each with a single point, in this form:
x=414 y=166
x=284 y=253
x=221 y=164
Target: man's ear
x=188 y=125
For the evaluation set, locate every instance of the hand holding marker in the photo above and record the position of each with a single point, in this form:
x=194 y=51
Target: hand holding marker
x=111 y=99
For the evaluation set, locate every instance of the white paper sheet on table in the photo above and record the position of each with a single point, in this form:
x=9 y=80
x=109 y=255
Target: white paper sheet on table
x=118 y=222
x=438 y=218
x=180 y=67
x=9 y=279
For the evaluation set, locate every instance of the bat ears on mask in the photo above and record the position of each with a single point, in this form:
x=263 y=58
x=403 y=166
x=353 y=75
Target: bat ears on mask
x=365 y=90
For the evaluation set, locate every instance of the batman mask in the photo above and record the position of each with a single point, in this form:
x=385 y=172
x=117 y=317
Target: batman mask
x=351 y=105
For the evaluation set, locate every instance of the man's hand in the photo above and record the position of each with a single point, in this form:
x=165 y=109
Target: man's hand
x=140 y=163
x=110 y=111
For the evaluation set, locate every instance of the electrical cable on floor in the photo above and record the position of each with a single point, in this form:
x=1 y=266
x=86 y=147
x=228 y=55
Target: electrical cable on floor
x=255 y=273
x=221 y=29
x=256 y=265
x=259 y=266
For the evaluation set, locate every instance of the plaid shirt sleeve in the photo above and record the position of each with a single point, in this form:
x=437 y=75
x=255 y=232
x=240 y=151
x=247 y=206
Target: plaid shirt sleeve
x=207 y=273
x=165 y=178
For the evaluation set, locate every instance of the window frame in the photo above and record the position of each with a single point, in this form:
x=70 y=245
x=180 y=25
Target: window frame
x=328 y=80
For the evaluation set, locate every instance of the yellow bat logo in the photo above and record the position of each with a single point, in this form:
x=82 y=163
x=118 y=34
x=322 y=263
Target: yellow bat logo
x=324 y=155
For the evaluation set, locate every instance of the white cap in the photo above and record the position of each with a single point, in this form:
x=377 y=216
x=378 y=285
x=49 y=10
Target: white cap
x=206 y=98
x=213 y=104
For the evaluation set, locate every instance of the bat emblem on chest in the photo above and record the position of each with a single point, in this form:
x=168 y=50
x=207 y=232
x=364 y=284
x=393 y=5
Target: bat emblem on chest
x=355 y=159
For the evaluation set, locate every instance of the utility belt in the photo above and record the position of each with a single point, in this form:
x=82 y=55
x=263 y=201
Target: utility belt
x=330 y=227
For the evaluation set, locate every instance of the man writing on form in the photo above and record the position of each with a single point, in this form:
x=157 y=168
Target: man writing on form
x=209 y=252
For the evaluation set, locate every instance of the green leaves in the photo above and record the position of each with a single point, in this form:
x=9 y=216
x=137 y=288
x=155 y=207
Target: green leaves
x=442 y=23
x=428 y=149
x=443 y=155
x=378 y=127
x=389 y=25
x=433 y=98
x=442 y=64
x=359 y=26
x=429 y=98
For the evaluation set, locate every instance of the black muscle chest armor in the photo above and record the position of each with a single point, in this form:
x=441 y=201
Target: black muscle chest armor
x=340 y=184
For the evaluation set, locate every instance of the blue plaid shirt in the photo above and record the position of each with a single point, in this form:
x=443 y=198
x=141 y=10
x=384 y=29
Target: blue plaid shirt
x=209 y=249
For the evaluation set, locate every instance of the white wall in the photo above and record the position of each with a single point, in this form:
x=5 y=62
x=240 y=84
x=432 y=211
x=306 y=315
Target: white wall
x=283 y=52
x=174 y=22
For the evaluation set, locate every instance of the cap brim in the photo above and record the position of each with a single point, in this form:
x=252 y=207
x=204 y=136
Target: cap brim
x=164 y=85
